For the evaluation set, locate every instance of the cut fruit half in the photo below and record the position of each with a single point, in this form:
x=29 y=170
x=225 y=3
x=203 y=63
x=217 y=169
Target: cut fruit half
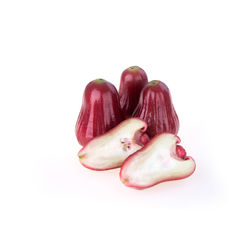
x=112 y=148
x=160 y=160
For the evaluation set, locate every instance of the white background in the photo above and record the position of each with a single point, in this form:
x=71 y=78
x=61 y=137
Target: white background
x=50 y=50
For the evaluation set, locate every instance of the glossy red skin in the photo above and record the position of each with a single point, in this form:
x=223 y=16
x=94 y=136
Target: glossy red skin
x=169 y=179
x=131 y=85
x=156 y=108
x=100 y=111
x=97 y=169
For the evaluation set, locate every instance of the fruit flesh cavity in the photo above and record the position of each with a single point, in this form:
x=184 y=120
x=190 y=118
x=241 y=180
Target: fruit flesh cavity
x=156 y=162
x=112 y=148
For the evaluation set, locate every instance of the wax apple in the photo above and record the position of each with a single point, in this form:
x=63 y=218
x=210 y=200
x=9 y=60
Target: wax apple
x=133 y=79
x=100 y=111
x=112 y=148
x=156 y=108
x=160 y=160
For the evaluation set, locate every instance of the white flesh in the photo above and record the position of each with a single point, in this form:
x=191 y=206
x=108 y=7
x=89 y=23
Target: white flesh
x=156 y=163
x=112 y=148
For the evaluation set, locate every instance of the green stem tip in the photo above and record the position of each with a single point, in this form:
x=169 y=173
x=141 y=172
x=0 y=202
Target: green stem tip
x=100 y=80
x=153 y=83
x=133 y=68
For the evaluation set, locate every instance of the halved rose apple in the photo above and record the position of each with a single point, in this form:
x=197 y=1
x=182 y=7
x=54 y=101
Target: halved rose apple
x=113 y=147
x=160 y=160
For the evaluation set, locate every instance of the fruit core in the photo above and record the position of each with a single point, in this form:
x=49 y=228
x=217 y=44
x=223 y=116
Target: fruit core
x=126 y=143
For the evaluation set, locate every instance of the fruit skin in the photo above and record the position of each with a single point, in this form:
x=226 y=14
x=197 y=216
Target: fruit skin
x=181 y=156
x=156 y=108
x=133 y=79
x=100 y=111
x=135 y=142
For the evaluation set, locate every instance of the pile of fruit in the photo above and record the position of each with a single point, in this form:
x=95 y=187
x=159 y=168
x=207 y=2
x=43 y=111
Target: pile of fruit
x=135 y=129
